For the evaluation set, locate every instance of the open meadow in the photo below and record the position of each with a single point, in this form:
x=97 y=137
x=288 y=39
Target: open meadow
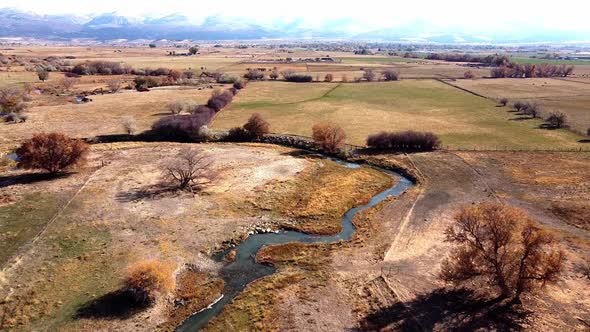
x=462 y=120
x=571 y=96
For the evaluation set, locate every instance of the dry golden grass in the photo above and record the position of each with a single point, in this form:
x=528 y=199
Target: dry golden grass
x=154 y=278
x=315 y=200
x=102 y=116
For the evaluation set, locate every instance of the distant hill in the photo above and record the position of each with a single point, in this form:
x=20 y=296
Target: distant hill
x=112 y=26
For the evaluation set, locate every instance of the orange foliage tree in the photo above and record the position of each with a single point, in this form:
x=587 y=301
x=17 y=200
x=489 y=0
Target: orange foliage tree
x=149 y=279
x=52 y=152
x=501 y=245
x=329 y=136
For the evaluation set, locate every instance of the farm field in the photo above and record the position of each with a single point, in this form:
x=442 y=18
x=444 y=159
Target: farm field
x=462 y=120
x=103 y=116
x=569 y=96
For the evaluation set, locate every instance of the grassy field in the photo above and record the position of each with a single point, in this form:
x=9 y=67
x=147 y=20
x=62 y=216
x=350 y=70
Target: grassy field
x=554 y=95
x=552 y=61
x=377 y=59
x=462 y=120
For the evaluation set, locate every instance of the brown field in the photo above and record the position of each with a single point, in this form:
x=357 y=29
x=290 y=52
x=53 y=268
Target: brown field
x=103 y=116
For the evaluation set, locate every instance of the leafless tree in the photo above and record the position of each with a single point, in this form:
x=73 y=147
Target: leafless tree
x=369 y=75
x=130 y=125
x=68 y=82
x=177 y=107
x=557 y=120
x=391 y=75
x=189 y=170
x=468 y=75
x=114 y=85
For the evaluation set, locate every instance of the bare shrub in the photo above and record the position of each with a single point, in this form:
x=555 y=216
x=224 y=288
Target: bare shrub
x=129 y=125
x=114 y=85
x=43 y=75
x=15 y=117
x=52 y=152
x=501 y=245
x=391 y=75
x=68 y=82
x=254 y=75
x=219 y=100
x=286 y=73
x=369 y=75
x=183 y=128
x=468 y=75
x=329 y=78
x=329 y=136
x=531 y=109
x=503 y=101
x=257 y=126
x=404 y=141
x=189 y=170
x=12 y=99
x=557 y=120
x=28 y=87
x=147 y=280
x=177 y=107
x=240 y=84
x=274 y=75
x=518 y=105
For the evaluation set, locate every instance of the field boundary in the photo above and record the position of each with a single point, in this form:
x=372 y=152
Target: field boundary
x=463 y=89
x=17 y=256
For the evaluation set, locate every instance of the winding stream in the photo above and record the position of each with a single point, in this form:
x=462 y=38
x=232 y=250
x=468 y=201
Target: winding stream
x=244 y=269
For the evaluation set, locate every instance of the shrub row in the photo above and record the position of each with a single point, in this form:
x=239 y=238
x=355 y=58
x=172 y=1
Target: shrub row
x=188 y=127
x=404 y=141
x=495 y=60
x=515 y=70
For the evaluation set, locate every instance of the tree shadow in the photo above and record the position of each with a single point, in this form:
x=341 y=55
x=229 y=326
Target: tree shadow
x=303 y=154
x=449 y=310
x=153 y=192
x=521 y=118
x=547 y=126
x=119 y=304
x=584 y=140
x=28 y=178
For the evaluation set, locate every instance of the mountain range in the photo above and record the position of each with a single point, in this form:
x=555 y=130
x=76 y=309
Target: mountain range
x=112 y=26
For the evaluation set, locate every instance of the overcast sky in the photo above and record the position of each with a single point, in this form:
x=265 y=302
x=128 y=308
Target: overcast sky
x=482 y=14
